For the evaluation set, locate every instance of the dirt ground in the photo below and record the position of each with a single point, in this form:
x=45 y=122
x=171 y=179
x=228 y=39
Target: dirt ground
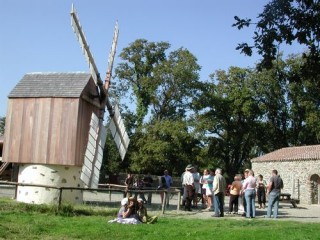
x=303 y=213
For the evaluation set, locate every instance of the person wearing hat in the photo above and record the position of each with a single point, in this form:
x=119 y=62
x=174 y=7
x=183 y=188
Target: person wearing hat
x=125 y=214
x=125 y=211
x=188 y=182
x=143 y=214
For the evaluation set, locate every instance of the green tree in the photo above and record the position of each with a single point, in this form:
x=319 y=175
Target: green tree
x=285 y=22
x=303 y=96
x=161 y=84
x=227 y=113
x=152 y=78
x=271 y=95
x=165 y=144
x=135 y=74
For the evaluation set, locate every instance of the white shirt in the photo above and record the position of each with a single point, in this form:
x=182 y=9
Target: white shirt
x=188 y=178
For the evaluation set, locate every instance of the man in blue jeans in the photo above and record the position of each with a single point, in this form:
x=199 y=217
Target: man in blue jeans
x=219 y=186
x=274 y=188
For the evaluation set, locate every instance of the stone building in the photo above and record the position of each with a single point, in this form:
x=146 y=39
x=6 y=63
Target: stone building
x=299 y=167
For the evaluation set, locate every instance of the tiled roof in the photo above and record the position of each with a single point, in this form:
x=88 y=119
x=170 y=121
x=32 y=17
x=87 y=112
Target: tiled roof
x=291 y=154
x=34 y=85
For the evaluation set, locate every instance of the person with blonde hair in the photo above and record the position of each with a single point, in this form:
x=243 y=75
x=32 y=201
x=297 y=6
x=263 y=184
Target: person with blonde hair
x=207 y=181
x=249 y=188
x=235 y=190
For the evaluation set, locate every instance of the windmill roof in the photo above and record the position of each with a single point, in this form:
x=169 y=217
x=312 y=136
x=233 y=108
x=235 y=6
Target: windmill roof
x=34 y=85
x=302 y=153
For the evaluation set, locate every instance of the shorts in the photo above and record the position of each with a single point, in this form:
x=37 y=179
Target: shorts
x=208 y=192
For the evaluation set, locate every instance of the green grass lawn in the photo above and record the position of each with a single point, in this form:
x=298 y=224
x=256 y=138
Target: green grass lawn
x=23 y=221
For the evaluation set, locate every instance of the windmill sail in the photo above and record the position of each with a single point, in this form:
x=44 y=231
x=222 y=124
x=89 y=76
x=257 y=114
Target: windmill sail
x=75 y=23
x=111 y=56
x=97 y=134
x=119 y=133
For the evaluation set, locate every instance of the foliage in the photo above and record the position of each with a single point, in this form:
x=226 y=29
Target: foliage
x=226 y=110
x=165 y=144
x=237 y=114
x=162 y=85
x=285 y=22
x=136 y=73
x=245 y=113
x=154 y=79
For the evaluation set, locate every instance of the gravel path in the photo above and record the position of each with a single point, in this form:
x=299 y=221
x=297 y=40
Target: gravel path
x=303 y=213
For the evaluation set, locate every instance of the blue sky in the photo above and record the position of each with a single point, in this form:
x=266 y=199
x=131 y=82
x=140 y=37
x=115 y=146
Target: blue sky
x=36 y=35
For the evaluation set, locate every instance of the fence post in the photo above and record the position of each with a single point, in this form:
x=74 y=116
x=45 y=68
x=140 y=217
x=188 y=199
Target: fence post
x=179 y=198
x=109 y=193
x=164 y=201
x=60 y=198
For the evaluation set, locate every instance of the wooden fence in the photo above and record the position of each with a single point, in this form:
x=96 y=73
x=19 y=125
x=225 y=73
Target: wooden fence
x=109 y=188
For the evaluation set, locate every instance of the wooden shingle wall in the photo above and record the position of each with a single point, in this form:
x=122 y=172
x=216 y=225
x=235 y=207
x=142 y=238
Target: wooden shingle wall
x=53 y=129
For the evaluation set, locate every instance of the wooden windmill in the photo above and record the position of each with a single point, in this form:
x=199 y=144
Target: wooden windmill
x=97 y=134
x=54 y=129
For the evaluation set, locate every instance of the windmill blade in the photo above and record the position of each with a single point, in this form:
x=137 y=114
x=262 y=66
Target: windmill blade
x=111 y=56
x=119 y=133
x=94 y=153
x=75 y=23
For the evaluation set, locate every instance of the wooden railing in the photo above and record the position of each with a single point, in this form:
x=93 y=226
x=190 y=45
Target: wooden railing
x=110 y=188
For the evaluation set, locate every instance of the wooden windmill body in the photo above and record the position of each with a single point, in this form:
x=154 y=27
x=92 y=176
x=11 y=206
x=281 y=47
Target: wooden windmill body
x=54 y=129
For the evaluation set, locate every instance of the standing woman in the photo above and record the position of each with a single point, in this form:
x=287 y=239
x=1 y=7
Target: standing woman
x=204 y=182
x=261 y=191
x=249 y=188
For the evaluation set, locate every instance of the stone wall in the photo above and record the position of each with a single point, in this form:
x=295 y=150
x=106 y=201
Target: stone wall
x=295 y=174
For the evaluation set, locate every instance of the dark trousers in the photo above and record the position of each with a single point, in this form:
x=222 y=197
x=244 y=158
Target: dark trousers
x=189 y=189
x=261 y=193
x=233 y=203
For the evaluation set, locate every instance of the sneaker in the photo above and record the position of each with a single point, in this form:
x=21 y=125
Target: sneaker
x=153 y=219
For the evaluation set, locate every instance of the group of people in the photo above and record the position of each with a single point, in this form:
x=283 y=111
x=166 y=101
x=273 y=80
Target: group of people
x=210 y=188
x=246 y=190
x=243 y=191
x=138 y=183
x=133 y=211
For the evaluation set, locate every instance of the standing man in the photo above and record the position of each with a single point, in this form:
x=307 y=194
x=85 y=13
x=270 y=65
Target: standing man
x=148 y=181
x=168 y=179
x=197 y=190
x=274 y=189
x=184 y=195
x=219 y=186
x=188 y=183
x=167 y=185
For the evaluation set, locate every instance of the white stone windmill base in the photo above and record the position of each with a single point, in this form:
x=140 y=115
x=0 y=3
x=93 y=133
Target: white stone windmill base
x=49 y=175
